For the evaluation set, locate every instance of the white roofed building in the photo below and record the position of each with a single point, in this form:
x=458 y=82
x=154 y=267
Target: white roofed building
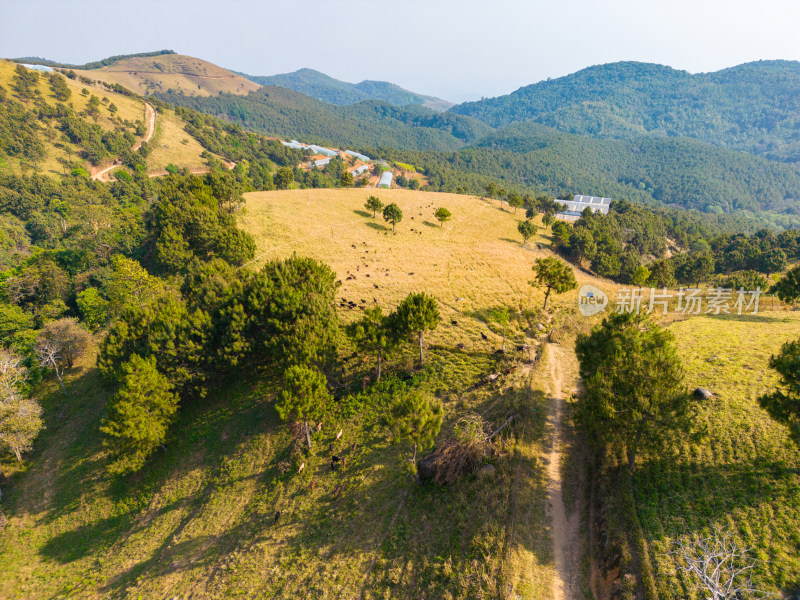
x=385 y=180
x=578 y=204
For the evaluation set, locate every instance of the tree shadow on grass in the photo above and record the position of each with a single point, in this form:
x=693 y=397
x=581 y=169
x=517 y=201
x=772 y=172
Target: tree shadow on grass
x=429 y=224
x=363 y=213
x=439 y=533
x=757 y=318
x=377 y=226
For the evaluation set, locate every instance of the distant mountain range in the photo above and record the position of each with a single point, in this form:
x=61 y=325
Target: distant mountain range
x=754 y=107
x=719 y=142
x=327 y=89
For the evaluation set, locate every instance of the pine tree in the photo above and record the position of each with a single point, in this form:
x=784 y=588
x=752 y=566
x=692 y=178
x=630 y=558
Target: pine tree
x=374 y=334
x=442 y=215
x=374 y=204
x=554 y=275
x=139 y=414
x=415 y=314
x=303 y=397
x=417 y=419
x=527 y=230
x=783 y=404
x=392 y=214
x=634 y=395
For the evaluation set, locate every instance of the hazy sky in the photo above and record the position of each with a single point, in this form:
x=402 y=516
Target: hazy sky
x=457 y=50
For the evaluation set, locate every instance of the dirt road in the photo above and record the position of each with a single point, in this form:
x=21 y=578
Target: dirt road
x=150 y=117
x=566 y=536
x=150 y=113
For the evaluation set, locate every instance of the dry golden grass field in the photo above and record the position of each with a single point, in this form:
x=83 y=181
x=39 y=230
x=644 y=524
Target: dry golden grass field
x=184 y=74
x=475 y=263
x=172 y=145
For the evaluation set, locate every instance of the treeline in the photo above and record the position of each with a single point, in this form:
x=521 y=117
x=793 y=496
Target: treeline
x=35 y=60
x=659 y=172
x=77 y=256
x=635 y=246
x=155 y=266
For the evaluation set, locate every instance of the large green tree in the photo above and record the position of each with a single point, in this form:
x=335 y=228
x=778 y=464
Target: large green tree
x=634 y=396
x=415 y=418
x=139 y=414
x=783 y=404
x=415 y=314
x=392 y=214
x=553 y=275
x=291 y=317
x=442 y=215
x=374 y=204
x=374 y=334
x=527 y=229
x=788 y=288
x=303 y=397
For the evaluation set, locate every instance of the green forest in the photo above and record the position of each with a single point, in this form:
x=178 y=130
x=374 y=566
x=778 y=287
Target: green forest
x=752 y=107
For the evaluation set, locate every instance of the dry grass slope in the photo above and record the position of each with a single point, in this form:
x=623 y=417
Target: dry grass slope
x=184 y=74
x=200 y=521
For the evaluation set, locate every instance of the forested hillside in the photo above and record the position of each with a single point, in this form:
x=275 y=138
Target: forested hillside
x=675 y=172
x=752 y=107
x=327 y=89
x=289 y=114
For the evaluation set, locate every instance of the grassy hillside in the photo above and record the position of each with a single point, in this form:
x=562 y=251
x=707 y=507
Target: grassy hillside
x=327 y=89
x=183 y=74
x=744 y=476
x=751 y=107
x=200 y=520
x=62 y=150
x=58 y=151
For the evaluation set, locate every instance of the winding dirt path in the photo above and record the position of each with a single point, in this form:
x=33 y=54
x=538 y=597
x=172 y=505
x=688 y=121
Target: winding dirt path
x=150 y=117
x=565 y=527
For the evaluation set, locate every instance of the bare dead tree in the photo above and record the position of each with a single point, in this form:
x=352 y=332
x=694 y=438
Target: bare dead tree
x=48 y=351
x=722 y=566
x=12 y=374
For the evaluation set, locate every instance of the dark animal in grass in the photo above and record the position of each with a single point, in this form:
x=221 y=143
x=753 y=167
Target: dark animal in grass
x=460 y=346
x=484 y=337
x=277 y=516
x=454 y=323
